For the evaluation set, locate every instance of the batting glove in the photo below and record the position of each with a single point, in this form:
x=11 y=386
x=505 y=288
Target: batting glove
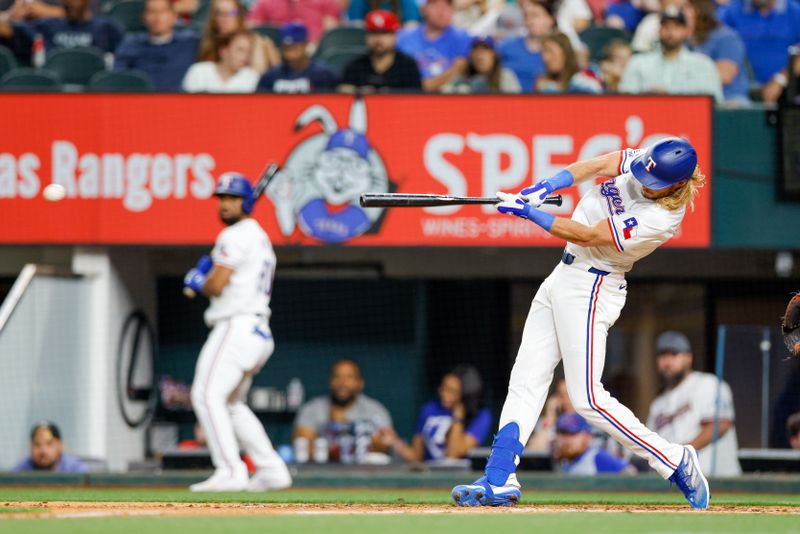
x=196 y=277
x=536 y=194
x=515 y=206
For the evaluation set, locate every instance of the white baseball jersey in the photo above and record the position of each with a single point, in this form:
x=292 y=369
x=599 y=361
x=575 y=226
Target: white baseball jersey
x=637 y=225
x=677 y=415
x=245 y=248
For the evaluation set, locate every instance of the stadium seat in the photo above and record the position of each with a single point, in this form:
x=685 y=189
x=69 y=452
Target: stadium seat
x=271 y=31
x=129 y=14
x=75 y=66
x=338 y=58
x=340 y=38
x=200 y=16
x=33 y=80
x=130 y=81
x=597 y=37
x=7 y=61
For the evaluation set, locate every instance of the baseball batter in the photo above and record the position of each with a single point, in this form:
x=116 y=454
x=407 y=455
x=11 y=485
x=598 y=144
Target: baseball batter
x=615 y=224
x=237 y=278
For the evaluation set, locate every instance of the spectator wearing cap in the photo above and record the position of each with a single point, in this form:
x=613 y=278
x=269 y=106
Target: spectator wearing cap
x=317 y=16
x=47 y=452
x=690 y=405
x=404 y=10
x=673 y=69
x=485 y=72
x=383 y=68
x=162 y=53
x=523 y=54
x=577 y=455
x=439 y=48
x=768 y=28
x=228 y=73
x=298 y=73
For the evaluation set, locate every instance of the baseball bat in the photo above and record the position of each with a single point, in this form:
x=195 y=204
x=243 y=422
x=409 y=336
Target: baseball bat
x=404 y=200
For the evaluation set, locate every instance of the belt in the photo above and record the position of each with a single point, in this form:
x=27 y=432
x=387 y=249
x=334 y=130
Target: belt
x=569 y=259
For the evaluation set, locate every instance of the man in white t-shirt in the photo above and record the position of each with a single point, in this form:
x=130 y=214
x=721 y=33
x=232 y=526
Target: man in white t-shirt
x=237 y=279
x=686 y=411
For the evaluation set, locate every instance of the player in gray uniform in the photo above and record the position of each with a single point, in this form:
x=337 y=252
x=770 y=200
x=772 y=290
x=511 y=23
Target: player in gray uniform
x=615 y=224
x=237 y=278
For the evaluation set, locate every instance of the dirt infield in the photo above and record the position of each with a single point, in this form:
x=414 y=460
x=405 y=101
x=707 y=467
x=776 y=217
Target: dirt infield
x=69 y=509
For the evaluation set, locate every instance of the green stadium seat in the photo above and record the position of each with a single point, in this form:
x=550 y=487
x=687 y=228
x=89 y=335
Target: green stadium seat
x=344 y=37
x=129 y=14
x=30 y=80
x=76 y=66
x=338 y=58
x=201 y=15
x=597 y=37
x=7 y=61
x=271 y=31
x=130 y=81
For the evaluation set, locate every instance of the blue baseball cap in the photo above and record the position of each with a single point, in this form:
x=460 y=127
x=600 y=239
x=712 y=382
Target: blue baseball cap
x=572 y=423
x=483 y=40
x=673 y=342
x=351 y=139
x=294 y=33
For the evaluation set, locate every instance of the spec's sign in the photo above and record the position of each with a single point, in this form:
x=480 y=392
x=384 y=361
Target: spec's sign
x=141 y=168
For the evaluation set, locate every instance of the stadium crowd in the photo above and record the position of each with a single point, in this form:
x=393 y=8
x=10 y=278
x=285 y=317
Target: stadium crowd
x=735 y=50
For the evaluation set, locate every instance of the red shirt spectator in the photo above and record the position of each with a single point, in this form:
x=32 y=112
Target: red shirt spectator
x=316 y=15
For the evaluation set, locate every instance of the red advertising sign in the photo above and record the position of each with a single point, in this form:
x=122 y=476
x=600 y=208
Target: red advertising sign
x=141 y=168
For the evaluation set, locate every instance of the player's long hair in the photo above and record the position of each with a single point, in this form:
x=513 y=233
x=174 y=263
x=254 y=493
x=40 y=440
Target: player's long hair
x=684 y=196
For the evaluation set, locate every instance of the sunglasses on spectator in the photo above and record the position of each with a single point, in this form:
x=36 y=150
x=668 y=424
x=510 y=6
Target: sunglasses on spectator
x=229 y=13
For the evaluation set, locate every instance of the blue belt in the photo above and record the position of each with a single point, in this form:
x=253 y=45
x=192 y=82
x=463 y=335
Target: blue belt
x=568 y=259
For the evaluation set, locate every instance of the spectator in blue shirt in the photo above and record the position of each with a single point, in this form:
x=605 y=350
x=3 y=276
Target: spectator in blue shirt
x=768 y=28
x=577 y=455
x=79 y=28
x=298 y=73
x=17 y=38
x=720 y=43
x=162 y=53
x=523 y=54
x=439 y=48
x=452 y=425
x=405 y=10
x=47 y=452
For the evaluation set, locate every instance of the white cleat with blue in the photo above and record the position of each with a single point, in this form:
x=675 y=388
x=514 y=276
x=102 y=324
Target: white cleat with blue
x=689 y=478
x=481 y=493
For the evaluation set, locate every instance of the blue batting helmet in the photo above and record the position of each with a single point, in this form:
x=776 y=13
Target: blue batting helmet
x=237 y=185
x=665 y=163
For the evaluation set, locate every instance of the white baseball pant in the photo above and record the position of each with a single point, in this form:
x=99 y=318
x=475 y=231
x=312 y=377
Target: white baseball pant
x=569 y=318
x=236 y=350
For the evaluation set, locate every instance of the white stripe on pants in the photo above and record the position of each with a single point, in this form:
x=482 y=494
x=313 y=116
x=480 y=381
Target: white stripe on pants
x=570 y=317
x=232 y=354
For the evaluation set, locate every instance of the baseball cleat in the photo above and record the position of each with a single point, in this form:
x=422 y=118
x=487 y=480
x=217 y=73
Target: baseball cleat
x=270 y=479
x=221 y=481
x=689 y=478
x=481 y=493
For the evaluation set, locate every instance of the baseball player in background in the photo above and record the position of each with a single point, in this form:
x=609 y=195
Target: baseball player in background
x=615 y=224
x=237 y=278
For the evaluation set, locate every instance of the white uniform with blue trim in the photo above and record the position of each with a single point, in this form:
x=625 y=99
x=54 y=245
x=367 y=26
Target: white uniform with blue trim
x=239 y=344
x=575 y=307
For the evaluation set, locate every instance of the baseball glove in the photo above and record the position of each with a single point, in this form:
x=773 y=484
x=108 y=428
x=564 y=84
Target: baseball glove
x=791 y=326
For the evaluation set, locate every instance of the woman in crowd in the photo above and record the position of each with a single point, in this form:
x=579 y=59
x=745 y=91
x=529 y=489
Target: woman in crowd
x=523 y=54
x=227 y=17
x=452 y=425
x=560 y=64
x=485 y=73
x=228 y=72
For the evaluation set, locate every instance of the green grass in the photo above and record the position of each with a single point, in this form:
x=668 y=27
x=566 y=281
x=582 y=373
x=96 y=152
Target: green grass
x=365 y=496
x=406 y=521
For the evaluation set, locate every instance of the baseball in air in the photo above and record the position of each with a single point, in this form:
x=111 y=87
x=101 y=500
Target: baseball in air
x=54 y=192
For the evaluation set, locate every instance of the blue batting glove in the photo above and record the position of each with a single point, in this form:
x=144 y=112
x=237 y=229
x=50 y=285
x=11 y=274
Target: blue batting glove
x=536 y=194
x=194 y=280
x=513 y=205
x=204 y=264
